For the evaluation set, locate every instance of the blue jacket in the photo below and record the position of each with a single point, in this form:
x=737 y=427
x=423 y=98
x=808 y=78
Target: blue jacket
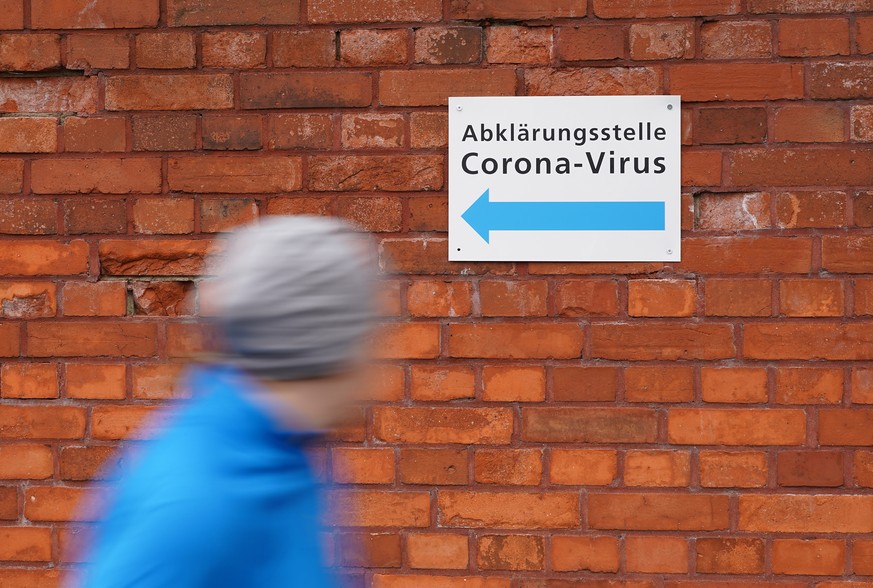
x=223 y=497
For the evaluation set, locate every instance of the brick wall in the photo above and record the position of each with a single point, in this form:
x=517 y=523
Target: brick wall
x=542 y=425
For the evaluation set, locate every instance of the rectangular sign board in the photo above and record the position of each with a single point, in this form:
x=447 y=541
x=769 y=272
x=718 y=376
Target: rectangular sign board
x=565 y=178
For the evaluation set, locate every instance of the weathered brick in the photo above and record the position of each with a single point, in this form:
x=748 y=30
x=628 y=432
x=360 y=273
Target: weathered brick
x=373 y=47
x=589 y=425
x=806 y=513
x=438 y=551
x=166 y=50
x=516 y=341
x=103 y=176
x=662 y=8
x=33 y=52
x=448 y=45
x=699 y=82
x=728 y=426
x=736 y=39
x=433 y=87
x=169 y=92
x=310 y=48
x=508 y=510
x=658 y=512
x=97 y=51
x=93 y=14
x=342 y=11
x=837 y=80
x=665 y=341
x=234 y=174
x=52 y=94
x=305 y=90
x=182 y=13
x=95 y=134
x=155 y=257
x=592 y=81
x=443 y=425
x=237 y=49
x=852 y=341
x=36 y=258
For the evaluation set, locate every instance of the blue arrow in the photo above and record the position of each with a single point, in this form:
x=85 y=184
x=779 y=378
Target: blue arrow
x=486 y=216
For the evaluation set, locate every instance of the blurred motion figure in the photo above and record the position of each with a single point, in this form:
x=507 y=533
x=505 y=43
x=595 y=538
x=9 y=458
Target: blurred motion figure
x=224 y=496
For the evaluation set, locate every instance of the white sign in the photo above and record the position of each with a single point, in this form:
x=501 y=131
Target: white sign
x=564 y=178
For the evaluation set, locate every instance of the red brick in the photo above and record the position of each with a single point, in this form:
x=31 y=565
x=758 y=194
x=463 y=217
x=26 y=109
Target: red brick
x=730 y=426
x=26 y=544
x=71 y=339
x=657 y=468
x=665 y=341
x=864 y=37
x=733 y=212
x=29 y=380
x=504 y=298
x=60 y=504
x=845 y=426
x=658 y=512
x=348 y=11
x=662 y=298
x=308 y=48
x=433 y=466
x=163 y=216
x=812 y=298
x=305 y=90
x=428 y=256
x=591 y=42
x=10 y=342
x=30 y=578
x=661 y=41
x=818 y=340
x=38 y=258
x=418 y=581
x=516 y=341
x=95 y=381
x=234 y=49
x=102 y=176
x=124 y=422
x=847 y=254
x=584 y=384
x=438 y=551
x=808 y=6
x=373 y=131
x=730 y=555
x=810 y=468
x=863 y=469
x=13 y=15
x=736 y=39
x=51 y=94
x=373 y=47
x=433 y=87
x=87 y=463
x=434 y=383
x=816 y=557
x=807 y=513
x=737 y=81
x=519 y=44
x=11 y=176
x=592 y=81
x=31 y=216
x=232 y=132
x=448 y=45
x=95 y=215
x=515 y=9
x=19 y=461
x=656 y=554
x=32 y=52
x=662 y=8
x=188 y=340
x=701 y=168
x=164 y=132
x=379 y=508
x=93 y=14
x=363 y=465
x=809 y=385
x=801 y=209
x=408 y=341
x=300 y=131
x=659 y=384
x=169 y=92
x=443 y=425
x=166 y=50
x=8 y=504
x=514 y=384
x=381 y=550
x=25 y=300
x=734 y=385
x=226 y=214
x=41 y=422
x=862 y=123
x=439 y=298
x=746 y=255
x=840 y=80
x=234 y=174
x=592 y=297
x=510 y=552
x=862 y=557
x=594 y=554
x=812 y=37
x=583 y=467
x=95 y=135
x=160 y=381
x=589 y=425
x=862 y=385
x=512 y=467
x=724 y=297
x=95 y=299
x=810 y=124
x=182 y=13
x=97 y=51
x=508 y=510
x=429 y=213
x=733 y=469
x=731 y=125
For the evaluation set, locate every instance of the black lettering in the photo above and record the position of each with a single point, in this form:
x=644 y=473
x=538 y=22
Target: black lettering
x=660 y=133
x=469 y=133
x=563 y=166
x=489 y=163
x=645 y=168
x=659 y=165
x=518 y=165
x=595 y=167
x=544 y=162
x=464 y=164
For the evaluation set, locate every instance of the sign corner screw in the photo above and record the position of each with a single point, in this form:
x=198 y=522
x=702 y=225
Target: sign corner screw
x=459 y=107
x=669 y=252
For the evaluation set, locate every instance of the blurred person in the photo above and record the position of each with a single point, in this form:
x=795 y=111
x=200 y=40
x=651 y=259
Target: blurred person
x=224 y=495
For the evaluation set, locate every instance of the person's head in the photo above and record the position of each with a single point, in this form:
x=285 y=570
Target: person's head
x=293 y=301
